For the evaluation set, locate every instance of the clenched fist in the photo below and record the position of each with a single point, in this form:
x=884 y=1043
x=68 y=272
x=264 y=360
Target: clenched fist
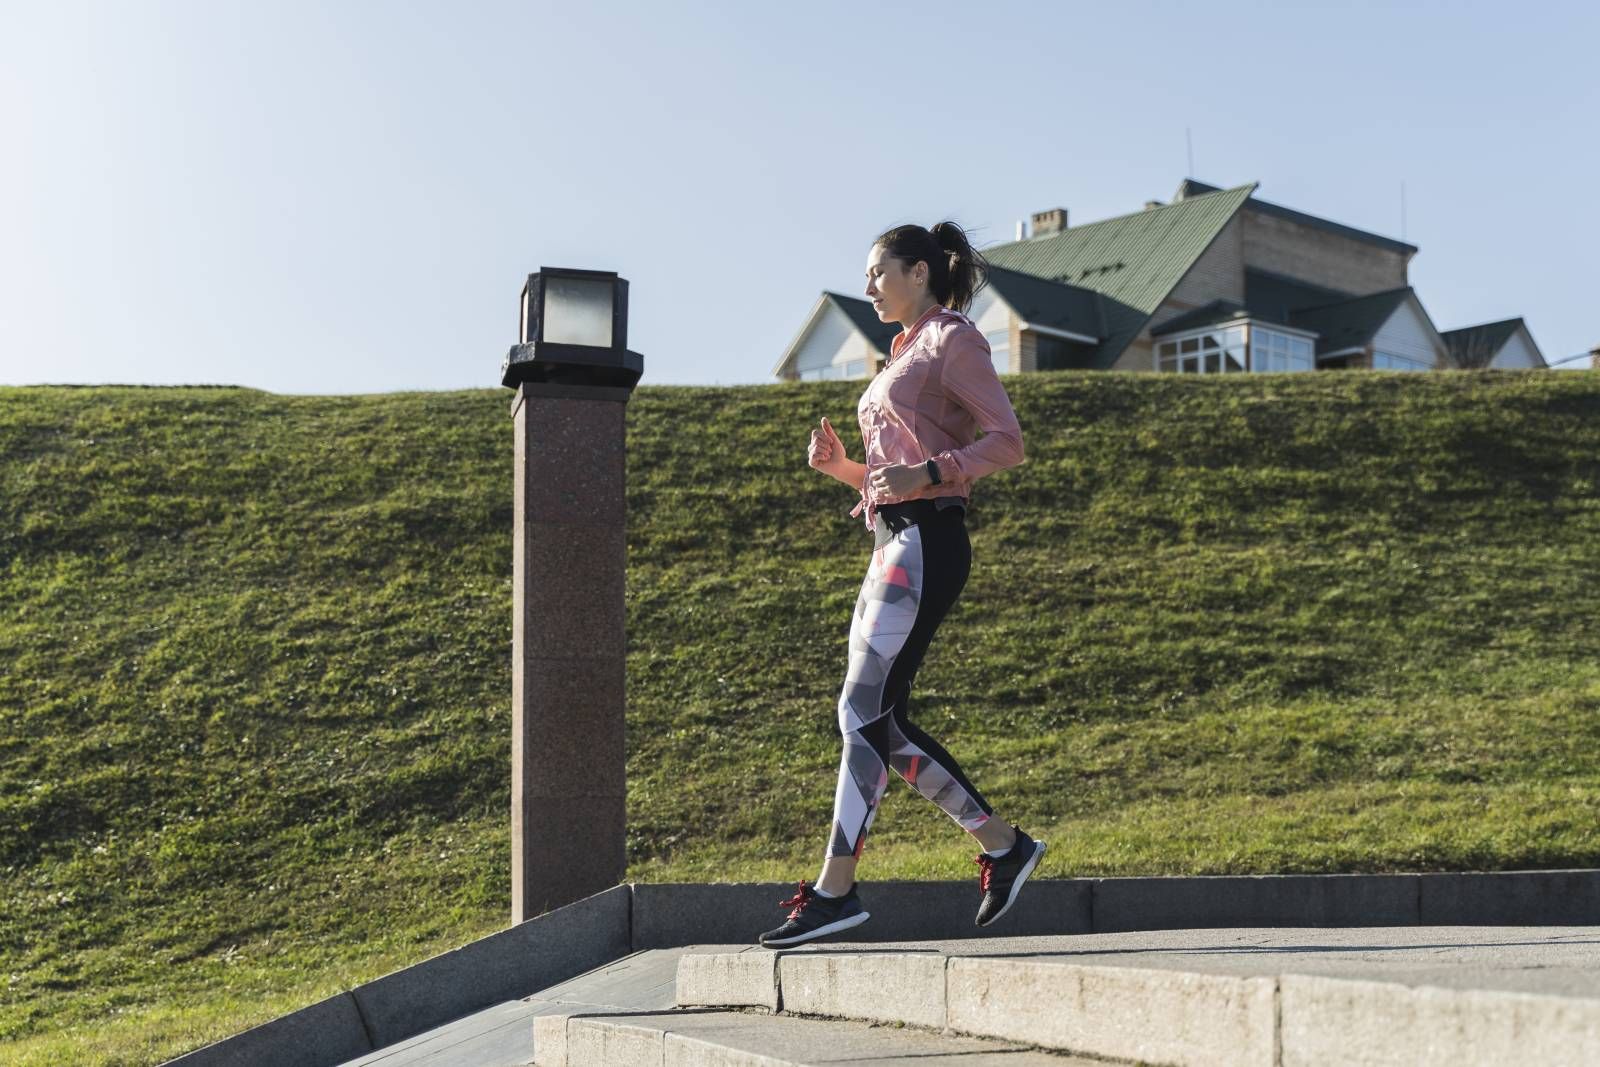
x=826 y=450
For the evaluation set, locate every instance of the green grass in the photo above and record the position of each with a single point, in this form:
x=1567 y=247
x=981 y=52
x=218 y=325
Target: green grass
x=254 y=708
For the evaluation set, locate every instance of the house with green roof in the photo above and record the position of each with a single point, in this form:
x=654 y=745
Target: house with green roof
x=1215 y=281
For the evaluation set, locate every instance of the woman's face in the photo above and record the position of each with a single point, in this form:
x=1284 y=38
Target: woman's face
x=894 y=291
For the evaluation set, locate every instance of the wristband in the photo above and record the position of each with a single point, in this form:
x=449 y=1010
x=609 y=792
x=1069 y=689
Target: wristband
x=933 y=471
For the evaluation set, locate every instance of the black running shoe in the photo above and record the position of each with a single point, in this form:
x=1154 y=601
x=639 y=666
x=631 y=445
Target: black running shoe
x=815 y=916
x=1001 y=878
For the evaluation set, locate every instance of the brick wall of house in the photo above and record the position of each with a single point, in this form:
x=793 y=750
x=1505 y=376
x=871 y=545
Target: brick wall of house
x=1014 y=357
x=1217 y=275
x=1139 y=355
x=1319 y=257
x=1025 y=360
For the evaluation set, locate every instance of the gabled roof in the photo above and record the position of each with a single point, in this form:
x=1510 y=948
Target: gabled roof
x=1055 y=305
x=1352 y=323
x=1189 y=187
x=1274 y=297
x=1489 y=337
x=1133 y=261
x=1339 y=326
x=878 y=333
x=866 y=322
x=1212 y=314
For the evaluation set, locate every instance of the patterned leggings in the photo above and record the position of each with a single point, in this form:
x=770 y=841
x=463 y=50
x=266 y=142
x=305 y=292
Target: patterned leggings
x=919 y=565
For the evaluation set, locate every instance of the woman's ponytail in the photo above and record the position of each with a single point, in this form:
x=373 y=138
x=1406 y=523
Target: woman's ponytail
x=968 y=271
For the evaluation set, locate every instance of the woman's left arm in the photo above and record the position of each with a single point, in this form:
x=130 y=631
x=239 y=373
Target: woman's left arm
x=970 y=379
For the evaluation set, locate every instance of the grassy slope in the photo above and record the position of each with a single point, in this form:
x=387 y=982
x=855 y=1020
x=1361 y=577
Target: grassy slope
x=254 y=732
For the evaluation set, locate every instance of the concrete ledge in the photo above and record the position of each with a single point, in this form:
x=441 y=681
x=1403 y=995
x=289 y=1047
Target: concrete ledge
x=891 y=987
x=513 y=963
x=732 y=979
x=1255 y=900
x=668 y=915
x=615 y=1044
x=550 y=1040
x=1328 y=1021
x=327 y=1032
x=729 y=1039
x=1120 y=1013
x=1510 y=898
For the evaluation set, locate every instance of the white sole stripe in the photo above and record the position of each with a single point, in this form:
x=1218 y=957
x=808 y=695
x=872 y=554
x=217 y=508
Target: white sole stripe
x=822 y=931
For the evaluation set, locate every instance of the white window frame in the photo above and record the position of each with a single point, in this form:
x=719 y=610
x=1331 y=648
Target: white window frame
x=1398 y=362
x=1191 y=347
x=1293 y=341
x=850 y=368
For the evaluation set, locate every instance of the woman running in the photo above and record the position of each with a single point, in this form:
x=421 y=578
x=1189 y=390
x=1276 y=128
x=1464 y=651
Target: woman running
x=919 y=420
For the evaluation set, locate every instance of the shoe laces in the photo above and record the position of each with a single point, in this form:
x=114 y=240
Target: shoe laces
x=803 y=896
x=985 y=870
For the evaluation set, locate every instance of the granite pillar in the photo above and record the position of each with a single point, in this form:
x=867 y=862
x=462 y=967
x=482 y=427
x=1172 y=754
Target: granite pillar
x=568 y=694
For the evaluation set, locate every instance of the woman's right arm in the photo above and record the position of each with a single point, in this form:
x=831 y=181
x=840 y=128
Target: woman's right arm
x=849 y=472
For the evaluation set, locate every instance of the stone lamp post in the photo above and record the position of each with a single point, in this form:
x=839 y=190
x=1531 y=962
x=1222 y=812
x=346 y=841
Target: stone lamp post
x=573 y=375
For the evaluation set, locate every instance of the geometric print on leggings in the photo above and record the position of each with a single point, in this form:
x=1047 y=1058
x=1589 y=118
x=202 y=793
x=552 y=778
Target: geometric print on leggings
x=886 y=610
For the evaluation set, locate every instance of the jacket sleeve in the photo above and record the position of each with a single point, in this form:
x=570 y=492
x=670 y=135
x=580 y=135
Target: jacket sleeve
x=970 y=380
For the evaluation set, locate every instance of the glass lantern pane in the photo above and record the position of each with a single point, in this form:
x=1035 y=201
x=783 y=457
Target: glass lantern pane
x=1213 y=363
x=1191 y=345
x=1233 y=362
x=577 y=311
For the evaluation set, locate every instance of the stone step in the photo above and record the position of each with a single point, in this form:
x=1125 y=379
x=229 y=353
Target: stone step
x=1187 y=1013
x=748 y=1039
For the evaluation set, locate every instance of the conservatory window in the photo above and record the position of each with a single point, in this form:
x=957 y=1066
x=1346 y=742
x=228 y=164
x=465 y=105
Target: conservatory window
x=856 y=368
x=1390 y=361
x=1216 y=351
x=1272 y=350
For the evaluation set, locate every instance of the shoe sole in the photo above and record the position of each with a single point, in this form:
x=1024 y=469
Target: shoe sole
x=822 y=931
x=1016 y=887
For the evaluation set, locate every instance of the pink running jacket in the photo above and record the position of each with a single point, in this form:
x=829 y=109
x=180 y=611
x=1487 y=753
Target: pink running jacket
x=937 y=390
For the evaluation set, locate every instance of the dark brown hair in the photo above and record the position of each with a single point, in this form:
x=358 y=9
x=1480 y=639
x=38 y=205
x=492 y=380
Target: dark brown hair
x=956 y=271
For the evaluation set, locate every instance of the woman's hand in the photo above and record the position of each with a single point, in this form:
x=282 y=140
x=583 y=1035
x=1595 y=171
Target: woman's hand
x=897 y=479
x=826 y=452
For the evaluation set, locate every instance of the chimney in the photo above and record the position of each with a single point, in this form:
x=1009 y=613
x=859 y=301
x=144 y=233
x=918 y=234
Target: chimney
x=1022 y=230
x=1151 y=205
x=1048 y=222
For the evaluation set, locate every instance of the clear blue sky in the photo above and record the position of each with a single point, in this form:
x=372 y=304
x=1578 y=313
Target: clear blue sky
x=345 y=196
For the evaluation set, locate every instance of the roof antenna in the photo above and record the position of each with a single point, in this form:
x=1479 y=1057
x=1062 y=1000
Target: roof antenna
x=1189 y=137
